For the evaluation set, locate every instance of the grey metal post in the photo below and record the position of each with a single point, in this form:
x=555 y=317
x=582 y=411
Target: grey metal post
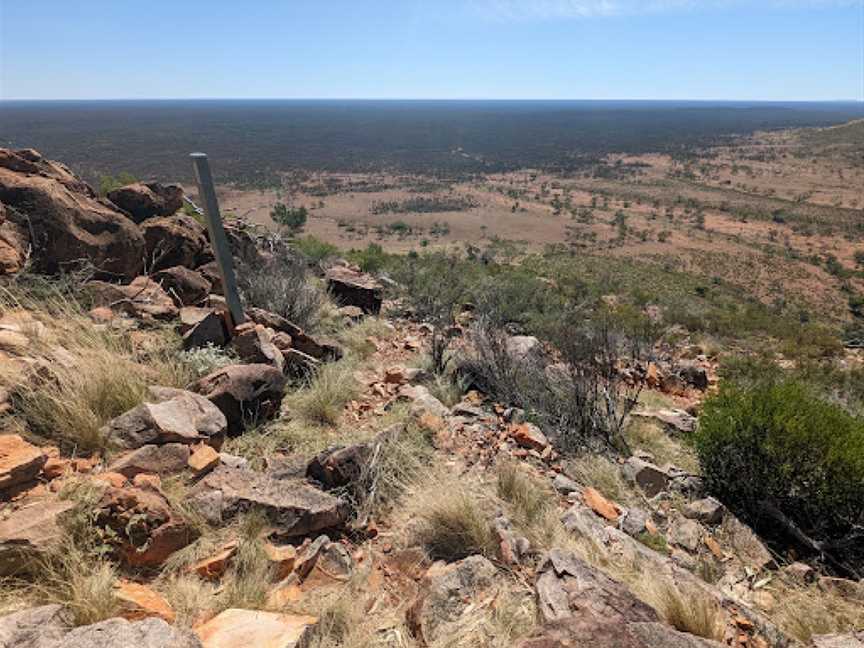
x=218 y=240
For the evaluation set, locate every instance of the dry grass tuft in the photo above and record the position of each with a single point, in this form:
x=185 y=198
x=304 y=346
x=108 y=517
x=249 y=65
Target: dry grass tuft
x=322 y=401
x=647 y=435
x=807 y=612
x=248 y=580
x=453 y=522
x=693 y=612
x=357 y=339
x=191 y=598
x=601 y=473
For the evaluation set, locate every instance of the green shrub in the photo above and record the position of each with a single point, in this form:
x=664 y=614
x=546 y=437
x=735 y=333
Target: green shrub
x=372 y=259
x=315 y=249
x=292 y=218
x=779 y=456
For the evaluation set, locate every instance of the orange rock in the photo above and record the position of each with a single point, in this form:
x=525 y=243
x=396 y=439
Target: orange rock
x=529 y=436
x=213 y=567
x=284 y=594
x=714 y=547
x=652 y=375
x=599 y=504
x=84 y=465
x=283 y=559
x=19 y=461
x=203 y=459
x=139 y=602
x=145 y=480
x=55 y=467
x=112 y=479
x=235 y=628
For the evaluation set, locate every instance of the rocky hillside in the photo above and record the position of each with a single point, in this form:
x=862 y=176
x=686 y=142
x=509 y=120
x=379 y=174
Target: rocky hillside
x=343 y=468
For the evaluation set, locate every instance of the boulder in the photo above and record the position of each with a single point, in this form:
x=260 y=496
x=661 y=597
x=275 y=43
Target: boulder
x=138 y=601
x=293 y=507
x=174 y=241
x=564 y=485
x=339 y=466
x=144 y=528
x=707 y=510
x=423 y=402
x=685 y=533
x=322 y=349
x=235 y=628
x=20 y=462
x=120 y=633
x=170 y=416
x=523 y=347
x=243 y=392
x=186 y=287
x=634 y=522
x=569 y=634
x=39 y=627
x=851 y=640
x=143 y=298
x=143 y=201
x=203 y=460
x=744 y=543
x=445 y=596
x=529 y=436
x=651 y=479
x=167 y=459
x=67 y=222
x=210 y=271
x=206 y=327
x=14 y=244
x=352 y=288
x=693 y=374
x=254 y=344
x=29 y=531
x=242 y=242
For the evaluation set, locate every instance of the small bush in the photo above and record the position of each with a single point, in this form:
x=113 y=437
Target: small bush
x=788 y=462
x=282 y=285
x=453 y=524
x=371 y=259
x=291 y=218
x=315 y=249
x=321 y=402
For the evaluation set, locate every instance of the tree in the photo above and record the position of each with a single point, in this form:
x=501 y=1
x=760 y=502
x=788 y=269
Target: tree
x=291 y=218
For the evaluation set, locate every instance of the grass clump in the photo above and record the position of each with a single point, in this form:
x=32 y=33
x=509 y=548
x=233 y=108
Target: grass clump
x=808 y=612
x=692 y=612
x=601 y=473
x=322 y=400
x=248 y=580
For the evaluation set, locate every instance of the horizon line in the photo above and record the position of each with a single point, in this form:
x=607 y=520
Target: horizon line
x=534 y=99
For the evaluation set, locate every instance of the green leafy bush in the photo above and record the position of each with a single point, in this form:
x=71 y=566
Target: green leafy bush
x=292 y=218
x=790 y=463
x=315 y=249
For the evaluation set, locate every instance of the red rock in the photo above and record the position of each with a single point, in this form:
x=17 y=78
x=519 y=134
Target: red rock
x=283 y=559
x=599 y=504
x=20 y=461
x=111 y=478
x=143 y=480
x=140 y=602
x=213 y=567
x=529 y=436
x=101 y=314
x=203 y=459
x=235 y=628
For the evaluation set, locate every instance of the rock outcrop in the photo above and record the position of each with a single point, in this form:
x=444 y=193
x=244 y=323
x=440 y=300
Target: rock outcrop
x=69 y=224
x=175 y=241
x=352 y=288
x=143 y=201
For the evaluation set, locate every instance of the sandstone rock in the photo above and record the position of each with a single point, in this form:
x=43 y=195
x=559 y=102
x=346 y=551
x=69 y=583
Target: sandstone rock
x=528 y=435
x=445 y=596
x=175 y=241
x=565 y=485
x=744 y=543
x=146 y=529
x=14 y=244
x=210 y=271
x=707 y=510
x=39 y=627
x=212 y=567
x=141 y=602
x=851 y=640
x=339 y=466
x=243 y=392
x=651 y=479
x=29 y=532
x=283 y=558
x=143 y=201
x=254 y=344
x=677 y=419
x=186 y=287
x=143 y=298
x=235 y=628
x=67 y=221
x=203 y=459
x=120 y=633
x=686 y=533
x=173 y=416
x=209 y=329
x=352 y=288
x=567 y=634
x=693 y=374
x=20 y=462
x=292 y=507
x=167 y=459
x=568 y=589
x=599 y=504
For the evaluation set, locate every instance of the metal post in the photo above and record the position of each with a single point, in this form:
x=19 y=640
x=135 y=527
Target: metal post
x=218 y=240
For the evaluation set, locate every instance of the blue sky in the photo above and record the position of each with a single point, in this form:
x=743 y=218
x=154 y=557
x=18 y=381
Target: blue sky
x=495 y=49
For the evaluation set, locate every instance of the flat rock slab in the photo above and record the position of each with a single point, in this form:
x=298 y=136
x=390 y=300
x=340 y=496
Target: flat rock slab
x=120 y=633
x=168 y=459
x=171 y=416
x=352 y=288
x=20 y=461
x=40 y=627
x=235 y=628
x=293 y=507
x=28 y=532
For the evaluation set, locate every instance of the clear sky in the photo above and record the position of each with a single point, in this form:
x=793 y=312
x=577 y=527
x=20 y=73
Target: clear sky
x=483 y=49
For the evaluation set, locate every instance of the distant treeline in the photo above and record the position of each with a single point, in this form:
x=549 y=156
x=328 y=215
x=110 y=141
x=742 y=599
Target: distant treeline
x=250 y=142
